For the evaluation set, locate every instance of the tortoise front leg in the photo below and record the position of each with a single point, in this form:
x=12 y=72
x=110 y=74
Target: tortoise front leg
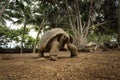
x=41 y=54
x=54 y=50
x=72 y=49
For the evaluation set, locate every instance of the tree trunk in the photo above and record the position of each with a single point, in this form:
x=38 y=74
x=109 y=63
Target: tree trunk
x=80 y=41
x=119 y=25
x=36 y=40
x=23 y=39
x=3 y=7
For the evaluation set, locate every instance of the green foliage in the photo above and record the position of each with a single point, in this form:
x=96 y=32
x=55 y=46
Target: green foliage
x=95 y=37
x=8 y=35
x=29 y=42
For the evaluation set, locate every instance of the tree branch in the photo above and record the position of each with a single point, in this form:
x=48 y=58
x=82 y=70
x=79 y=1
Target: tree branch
x=74 y=31
x=79 y=21
x=89 y=19
x=36 y=40
x=99 y=24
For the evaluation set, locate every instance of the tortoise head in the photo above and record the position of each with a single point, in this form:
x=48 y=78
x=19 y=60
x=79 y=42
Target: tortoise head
x=63 y=39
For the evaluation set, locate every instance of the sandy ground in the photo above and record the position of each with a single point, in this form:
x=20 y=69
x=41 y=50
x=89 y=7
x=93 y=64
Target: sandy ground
x=87 y=66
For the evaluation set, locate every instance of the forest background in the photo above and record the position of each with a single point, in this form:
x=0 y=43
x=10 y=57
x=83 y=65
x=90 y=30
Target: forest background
x=86 y=20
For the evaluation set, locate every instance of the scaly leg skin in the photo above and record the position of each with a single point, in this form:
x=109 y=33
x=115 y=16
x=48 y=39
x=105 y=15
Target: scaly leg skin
x=54 y=50
x=41 y=54
x=73 y=49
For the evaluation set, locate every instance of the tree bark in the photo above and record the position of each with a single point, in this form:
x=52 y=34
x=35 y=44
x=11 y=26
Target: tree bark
x=89 y=20
x=70 y=20
x=3 y=7
x=119 y=25
x=36 y=40
x=23 y=38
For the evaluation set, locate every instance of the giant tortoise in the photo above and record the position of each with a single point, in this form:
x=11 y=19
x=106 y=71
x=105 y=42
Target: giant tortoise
x=53 y=41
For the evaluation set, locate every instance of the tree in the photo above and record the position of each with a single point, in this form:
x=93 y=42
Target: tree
x=5 y=4
x=105 y=22
x=79 y=25
x=8 y=36
x=119 y=24
x=36 y=40
x=22 y=12
x=80 y=18
x=77 y=15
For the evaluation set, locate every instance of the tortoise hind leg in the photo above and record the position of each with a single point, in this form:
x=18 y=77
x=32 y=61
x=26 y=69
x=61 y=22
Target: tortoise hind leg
x=72 y=49
x=54 y=50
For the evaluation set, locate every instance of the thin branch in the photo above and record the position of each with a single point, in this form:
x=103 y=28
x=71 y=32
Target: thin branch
x=23 y=34
x=99 y=24
x=69 y=17
x=79 y=21
x=89 y=19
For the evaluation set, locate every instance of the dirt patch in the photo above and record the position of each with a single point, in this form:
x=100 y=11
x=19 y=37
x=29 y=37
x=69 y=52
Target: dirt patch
x=87 y=66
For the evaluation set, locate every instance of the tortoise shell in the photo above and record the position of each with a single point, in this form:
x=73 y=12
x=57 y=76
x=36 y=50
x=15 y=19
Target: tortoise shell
x=49 y=36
